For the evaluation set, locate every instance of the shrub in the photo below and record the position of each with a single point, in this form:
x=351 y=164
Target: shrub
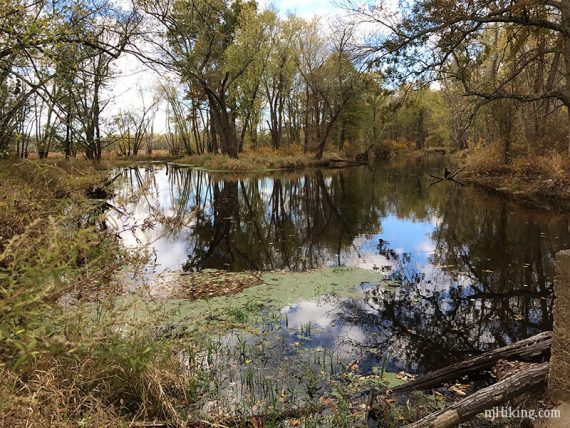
x=554 y=167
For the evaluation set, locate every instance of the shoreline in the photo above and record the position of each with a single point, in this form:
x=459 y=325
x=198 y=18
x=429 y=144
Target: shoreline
x=534 y=193
x=262 y=161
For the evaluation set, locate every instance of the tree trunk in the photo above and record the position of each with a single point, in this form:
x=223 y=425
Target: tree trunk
x=565 y=10
x=324 y=138
x=485 y=398
x=525 y=350
x=307 y=112
x=213 y=141
x=342 y=136
x=68 y=134
x=224 y=125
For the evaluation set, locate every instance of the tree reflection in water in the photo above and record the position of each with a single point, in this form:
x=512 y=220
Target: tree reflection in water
x=476 y=270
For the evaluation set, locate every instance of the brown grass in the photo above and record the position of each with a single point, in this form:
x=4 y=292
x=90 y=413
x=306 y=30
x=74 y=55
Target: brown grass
x=32 y=189
x=540 y=179
x=109 y=155
x=94 y=391
x=261 y=159
x=488 y=161
x=60 y=365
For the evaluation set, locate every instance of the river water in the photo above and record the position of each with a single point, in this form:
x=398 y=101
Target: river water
x=475 y=270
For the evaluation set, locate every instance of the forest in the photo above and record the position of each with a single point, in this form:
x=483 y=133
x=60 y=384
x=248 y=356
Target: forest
x=252 y=213
x=233 y=76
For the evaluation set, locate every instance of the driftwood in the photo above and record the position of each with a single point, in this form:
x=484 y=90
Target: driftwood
x=448 y=176
x=524 y=350
x=363 y=157
x=485 y=398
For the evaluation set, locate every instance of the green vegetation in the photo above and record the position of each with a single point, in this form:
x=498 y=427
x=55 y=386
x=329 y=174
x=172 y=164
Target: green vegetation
x=253 y=296
x=282 y=92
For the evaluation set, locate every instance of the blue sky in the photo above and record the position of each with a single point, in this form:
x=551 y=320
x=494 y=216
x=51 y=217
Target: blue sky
x=304 y=8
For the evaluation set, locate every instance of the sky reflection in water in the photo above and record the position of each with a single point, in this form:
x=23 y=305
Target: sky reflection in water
x=476 y=271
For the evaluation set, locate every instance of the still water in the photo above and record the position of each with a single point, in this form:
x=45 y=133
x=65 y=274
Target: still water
x=475 y=270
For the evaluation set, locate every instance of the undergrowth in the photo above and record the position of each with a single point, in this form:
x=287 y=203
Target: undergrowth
x=488 y=160
x=67 y=358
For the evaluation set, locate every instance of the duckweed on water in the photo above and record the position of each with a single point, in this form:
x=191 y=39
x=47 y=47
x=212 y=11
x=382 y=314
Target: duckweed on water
x=241 y=297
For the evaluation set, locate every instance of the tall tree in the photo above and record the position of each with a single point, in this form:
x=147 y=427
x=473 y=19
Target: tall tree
x=424 y=37
x=199 y=34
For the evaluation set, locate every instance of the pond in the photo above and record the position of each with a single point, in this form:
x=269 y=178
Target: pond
x=474 y=271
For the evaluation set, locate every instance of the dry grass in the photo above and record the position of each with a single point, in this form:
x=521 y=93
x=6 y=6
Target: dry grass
x=34 y=189
x=109 y=155
x=60 y=365
x=540 y=179
x=259 y=160
x=98 y=390
x=488 y=161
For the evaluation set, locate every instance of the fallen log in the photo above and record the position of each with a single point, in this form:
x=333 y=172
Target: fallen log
x=347 y=161
x=525 y=350
x=485 y=398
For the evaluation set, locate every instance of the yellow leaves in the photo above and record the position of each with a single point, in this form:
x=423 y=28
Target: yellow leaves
x=438 y=396
x=458 y=389
x=405 y=376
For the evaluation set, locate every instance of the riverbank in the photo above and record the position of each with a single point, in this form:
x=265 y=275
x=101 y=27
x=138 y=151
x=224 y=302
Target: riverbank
x=537 y=181
x=175 y=352
x=262 y=160
x=540 y=193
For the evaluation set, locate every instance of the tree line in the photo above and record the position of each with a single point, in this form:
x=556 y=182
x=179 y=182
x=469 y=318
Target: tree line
x=233 y=75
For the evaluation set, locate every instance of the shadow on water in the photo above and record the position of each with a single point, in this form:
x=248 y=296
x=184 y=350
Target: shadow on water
x=476 y=270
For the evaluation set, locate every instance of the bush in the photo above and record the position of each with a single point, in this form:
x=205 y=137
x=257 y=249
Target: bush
x=554 y=167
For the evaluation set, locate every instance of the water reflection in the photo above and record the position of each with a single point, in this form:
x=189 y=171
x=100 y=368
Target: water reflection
x=476 y=270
